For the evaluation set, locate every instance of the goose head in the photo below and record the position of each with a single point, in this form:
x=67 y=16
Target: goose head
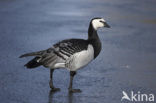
x=99 y=23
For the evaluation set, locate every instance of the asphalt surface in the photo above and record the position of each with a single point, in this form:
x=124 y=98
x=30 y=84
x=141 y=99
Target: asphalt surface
x=127 y=61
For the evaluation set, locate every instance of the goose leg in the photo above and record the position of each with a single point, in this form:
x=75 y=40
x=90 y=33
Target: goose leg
x=51 y=81
x=72 y=74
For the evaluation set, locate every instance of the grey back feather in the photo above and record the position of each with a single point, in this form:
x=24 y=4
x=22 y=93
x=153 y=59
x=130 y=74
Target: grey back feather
x=33 y=54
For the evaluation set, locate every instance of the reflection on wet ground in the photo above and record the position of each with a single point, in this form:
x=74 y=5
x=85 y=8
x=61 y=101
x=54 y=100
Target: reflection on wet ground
x=149 y=21
x=69 y=97
x=127 y=60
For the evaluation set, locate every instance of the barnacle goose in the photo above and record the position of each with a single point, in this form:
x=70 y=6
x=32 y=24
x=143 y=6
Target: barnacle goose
x=71 y=54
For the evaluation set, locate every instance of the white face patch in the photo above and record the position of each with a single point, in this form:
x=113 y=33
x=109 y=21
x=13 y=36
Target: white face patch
x=97 y=24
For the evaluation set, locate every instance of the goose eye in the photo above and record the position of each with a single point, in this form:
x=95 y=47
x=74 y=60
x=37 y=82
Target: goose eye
x=102 y=21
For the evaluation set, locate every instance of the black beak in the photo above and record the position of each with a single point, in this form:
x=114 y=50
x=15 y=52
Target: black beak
x=106 y=25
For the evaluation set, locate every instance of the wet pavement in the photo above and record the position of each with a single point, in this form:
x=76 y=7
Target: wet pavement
x=127 y=61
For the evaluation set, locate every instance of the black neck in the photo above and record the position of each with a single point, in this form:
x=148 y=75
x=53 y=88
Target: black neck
x=92 y=33
x=93 y=38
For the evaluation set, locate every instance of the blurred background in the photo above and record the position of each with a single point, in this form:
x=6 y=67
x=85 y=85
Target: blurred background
x=127 y=61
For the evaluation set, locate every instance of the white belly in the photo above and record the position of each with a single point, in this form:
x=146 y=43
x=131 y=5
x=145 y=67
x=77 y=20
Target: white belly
x=80 y=59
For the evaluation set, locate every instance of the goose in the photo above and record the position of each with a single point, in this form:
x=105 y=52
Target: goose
x=71 y=54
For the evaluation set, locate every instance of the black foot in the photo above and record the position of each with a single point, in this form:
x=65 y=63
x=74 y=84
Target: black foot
x=75 y=90
x=55 y=89
x=52 y=87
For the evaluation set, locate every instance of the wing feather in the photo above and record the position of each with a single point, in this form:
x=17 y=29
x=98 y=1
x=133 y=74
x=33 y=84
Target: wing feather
x=59 y=53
